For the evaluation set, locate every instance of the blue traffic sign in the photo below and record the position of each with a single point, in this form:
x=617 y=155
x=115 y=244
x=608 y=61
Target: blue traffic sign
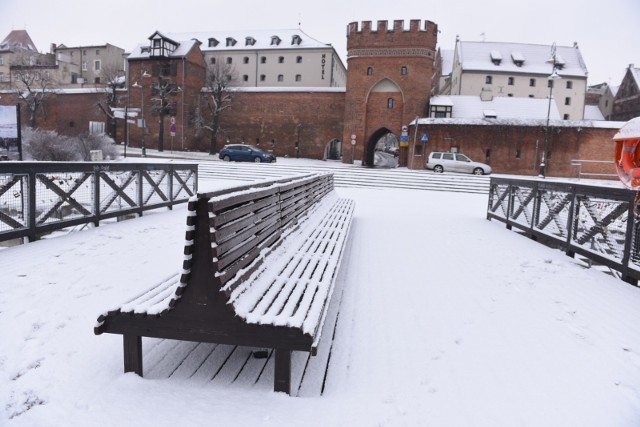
x=424 y=137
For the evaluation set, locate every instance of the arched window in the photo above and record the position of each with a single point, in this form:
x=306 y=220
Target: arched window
x=390 y=103
x=370 y=71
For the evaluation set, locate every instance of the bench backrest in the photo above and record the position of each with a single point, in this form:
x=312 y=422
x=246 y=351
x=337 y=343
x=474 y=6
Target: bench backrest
x=230 y=233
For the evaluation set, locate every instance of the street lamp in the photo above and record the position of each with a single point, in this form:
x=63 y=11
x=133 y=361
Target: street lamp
x=144 y=123
x=553 y=77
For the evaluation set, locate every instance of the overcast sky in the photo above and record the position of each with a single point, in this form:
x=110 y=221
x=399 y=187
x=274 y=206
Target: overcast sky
x=607 y=32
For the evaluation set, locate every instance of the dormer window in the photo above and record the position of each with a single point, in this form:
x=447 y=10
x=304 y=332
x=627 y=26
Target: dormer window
x=518 y=58
x=275 y=40
x=249 y=41
x=231 y=41
x=161 y=46
x=213 y=42
x=296 y=39
x=496 y=57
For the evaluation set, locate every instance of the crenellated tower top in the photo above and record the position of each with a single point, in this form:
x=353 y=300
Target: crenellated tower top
x=421 y=34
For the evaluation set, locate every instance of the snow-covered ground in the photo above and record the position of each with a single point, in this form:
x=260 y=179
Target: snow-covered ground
x=447 y=320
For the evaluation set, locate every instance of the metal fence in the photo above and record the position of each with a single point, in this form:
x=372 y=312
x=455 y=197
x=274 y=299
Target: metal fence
x=598 y=223
x=40 y=197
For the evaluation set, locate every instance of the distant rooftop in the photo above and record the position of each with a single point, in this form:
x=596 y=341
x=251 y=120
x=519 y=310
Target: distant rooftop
x=18 y=39
x=501 y=107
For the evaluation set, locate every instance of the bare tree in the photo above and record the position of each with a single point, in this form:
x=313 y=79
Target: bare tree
x=32 y=84
x=219 y=87
x=162 y=93
x=114 y=79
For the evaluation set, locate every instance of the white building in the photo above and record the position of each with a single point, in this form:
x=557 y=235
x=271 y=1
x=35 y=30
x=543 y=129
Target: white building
x=475 y=107
x=521 y=71
x=272 y=58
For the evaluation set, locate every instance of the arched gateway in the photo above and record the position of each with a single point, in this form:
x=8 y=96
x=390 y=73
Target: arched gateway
x=389 y=77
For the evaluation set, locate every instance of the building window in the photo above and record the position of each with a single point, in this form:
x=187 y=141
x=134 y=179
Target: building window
x=531 y=96
x=280 y=78
x=510 y=94
x=567 y=100
x=229 y=60
x=569 y=84
x=245 y=78
x=96 y=128
x=213 y=42
x=85 y=67
x=566 y=117
x=488 y=80
x=390 y=103
x=532 y=82
x=511 y=81
x=403 y=70
x=96 y=65
x=370 y=71
x=275 y=40
x=97 y=52
x=298 y=77
x=1 y=60
x=518 y=154
x=96 y=80
x=549 y=83
x=245 y=60
x=212 y=60
x=299 y=60
x=281 y=60
x=417 y=150
x=263 y=59
x=262 y=77
x=249 y=41
x=231 y=41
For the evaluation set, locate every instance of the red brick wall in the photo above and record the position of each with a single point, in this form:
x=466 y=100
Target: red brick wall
x=277 y=120
x=517 y=149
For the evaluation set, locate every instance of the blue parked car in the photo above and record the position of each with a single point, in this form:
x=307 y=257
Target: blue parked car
x=245 y=153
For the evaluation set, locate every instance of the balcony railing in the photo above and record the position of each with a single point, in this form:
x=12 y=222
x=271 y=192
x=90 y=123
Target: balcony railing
x=39 y=197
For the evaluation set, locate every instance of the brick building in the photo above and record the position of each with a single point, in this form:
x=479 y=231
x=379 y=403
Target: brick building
x=389 y=72
x=626 y=104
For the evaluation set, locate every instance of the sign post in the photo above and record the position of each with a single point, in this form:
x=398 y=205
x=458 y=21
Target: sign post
x=353 y=148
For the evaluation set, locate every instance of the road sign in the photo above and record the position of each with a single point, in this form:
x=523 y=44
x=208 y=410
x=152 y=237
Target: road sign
x=424 y=137
x=404 y=138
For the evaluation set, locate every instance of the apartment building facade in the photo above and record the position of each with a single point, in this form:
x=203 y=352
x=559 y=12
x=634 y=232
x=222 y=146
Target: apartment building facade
x=497 y=69
x=81 y=65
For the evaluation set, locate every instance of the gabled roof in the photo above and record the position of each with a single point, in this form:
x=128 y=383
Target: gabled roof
x=252 y=40
x=635 y=73
x=142 y=50
x=519 y=58
x=18 y=39
x=592 y=112
x=501 y=107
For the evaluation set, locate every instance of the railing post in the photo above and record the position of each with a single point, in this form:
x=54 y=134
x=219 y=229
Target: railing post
x=570 y=220
x=170 y=189
x=96 y=196
x=32 y=206
x=140 y=192
x=630 y=238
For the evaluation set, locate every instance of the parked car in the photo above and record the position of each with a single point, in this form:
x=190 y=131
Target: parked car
x=245 y=153
x=455 y=162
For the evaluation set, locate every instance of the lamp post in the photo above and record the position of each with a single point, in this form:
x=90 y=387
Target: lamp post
x=144 y=123
x=551 y=79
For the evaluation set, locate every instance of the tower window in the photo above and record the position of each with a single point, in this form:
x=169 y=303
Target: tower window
x=370 y=71
x=390 y=103
x=403 y=70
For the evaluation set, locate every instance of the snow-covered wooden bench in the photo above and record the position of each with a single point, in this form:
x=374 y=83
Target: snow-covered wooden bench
x=259 y=271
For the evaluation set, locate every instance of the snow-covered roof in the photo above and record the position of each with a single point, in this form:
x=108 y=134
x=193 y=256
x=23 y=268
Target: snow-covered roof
x=142 y=51
x=472 y=107
x=600 y=124
x=592 y=112
x=519 y=58
x=18 y=39
x=234 y=40
x=635 y=72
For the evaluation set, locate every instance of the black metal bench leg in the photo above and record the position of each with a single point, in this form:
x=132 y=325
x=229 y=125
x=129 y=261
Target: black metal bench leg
x=132 y=353
x=282 y=376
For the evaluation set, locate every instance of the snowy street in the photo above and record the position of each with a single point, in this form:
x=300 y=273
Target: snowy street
x=447 y=319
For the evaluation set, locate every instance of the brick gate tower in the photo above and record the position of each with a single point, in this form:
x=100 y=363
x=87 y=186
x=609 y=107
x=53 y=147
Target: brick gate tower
x=389 y=73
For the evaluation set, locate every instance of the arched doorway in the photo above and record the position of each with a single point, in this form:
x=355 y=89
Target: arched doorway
x=333 y=150
x=382 y=149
